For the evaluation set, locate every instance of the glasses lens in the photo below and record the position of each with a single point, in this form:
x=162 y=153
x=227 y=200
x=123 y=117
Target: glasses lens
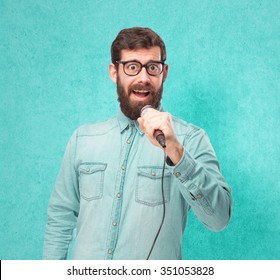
x=154 y=68
x=132 y=68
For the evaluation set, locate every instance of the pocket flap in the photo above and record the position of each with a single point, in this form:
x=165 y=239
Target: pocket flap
x=89 y=168
x=152 y=171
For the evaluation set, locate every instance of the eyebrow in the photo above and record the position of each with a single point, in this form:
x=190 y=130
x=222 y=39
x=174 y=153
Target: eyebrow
x=149 y=61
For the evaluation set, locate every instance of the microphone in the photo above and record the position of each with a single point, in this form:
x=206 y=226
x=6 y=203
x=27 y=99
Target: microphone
x=158 y=134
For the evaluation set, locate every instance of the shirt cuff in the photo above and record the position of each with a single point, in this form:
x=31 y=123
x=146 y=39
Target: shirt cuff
x=184 y=169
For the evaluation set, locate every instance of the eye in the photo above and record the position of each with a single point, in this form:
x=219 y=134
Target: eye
x=132 y=67
x=153 y=68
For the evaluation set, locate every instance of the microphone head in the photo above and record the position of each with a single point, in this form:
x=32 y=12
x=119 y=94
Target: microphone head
x=144 y=110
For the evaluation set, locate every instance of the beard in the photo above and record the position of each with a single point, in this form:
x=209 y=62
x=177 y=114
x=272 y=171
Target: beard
x=132 y=109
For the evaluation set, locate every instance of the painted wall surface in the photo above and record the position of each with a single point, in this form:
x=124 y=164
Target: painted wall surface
x=224 y=66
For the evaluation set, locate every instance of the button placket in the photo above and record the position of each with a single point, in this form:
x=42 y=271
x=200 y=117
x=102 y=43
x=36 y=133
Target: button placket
x=117 y=204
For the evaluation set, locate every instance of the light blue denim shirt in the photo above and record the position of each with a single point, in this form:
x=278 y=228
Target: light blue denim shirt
x=109 y=189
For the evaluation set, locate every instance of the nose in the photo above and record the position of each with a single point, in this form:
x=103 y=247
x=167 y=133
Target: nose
x=143 y=75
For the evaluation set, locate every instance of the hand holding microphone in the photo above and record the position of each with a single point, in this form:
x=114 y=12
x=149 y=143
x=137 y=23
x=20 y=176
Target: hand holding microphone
x=158 y=127
x=158 y=134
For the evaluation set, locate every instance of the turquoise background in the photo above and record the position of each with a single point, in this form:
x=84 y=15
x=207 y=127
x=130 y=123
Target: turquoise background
x=224 y=66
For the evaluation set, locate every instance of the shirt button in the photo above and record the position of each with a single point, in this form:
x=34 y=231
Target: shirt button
x=114 y=223
x=119 y=195
x=178 y=174
x=199 y=196
x=110 y=251
x=128 y=142
x=87 y=170
x=154 y=174
x=123 y=167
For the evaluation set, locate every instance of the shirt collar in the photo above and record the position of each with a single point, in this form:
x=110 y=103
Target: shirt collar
x=124 y=121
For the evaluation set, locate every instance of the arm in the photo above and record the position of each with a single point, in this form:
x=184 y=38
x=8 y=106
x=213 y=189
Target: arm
x=201 y=182
x=195 y=166
x=63 y=208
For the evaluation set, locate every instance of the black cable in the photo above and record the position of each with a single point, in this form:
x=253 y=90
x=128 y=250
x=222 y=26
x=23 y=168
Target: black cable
x=163 y=205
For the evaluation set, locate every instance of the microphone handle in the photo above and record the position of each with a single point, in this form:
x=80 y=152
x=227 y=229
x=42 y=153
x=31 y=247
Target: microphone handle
x=160 y=137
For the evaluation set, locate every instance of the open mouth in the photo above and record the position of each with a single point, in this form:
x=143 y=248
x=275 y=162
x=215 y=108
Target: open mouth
x=141 y=93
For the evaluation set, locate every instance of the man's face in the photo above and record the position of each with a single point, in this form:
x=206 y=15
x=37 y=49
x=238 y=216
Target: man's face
x=134 y=92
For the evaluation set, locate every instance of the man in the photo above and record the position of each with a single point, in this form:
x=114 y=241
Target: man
x=112 y=186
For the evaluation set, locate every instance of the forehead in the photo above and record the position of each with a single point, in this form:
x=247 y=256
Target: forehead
x=143 y=55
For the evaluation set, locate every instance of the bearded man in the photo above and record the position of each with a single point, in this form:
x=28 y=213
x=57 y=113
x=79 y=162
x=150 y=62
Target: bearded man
x=126 y=193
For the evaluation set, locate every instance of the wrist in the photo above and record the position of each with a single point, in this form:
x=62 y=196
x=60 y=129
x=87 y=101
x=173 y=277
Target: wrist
x=175 y=152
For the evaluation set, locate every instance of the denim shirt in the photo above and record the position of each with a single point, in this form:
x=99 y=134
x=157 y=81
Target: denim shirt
x=109 y=189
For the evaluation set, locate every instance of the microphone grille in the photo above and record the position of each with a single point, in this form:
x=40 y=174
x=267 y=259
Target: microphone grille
x=144 y=110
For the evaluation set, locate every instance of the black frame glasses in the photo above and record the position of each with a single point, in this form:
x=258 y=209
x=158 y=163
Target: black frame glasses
x=153 y=67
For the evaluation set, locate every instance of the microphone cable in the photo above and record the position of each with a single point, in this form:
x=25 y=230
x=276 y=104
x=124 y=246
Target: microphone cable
x=163 y=205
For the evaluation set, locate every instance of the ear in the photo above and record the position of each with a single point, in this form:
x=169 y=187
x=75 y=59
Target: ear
x=165 y=72
x=113 y=72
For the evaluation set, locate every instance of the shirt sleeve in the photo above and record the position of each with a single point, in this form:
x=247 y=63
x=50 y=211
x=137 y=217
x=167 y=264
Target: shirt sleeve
x=63 y=208
x=201 y=182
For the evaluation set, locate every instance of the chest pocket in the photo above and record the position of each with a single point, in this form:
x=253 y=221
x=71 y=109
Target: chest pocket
x=91 y=180
x=148 y=186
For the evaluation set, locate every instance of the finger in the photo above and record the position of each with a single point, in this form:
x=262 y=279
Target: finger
x=141 y=123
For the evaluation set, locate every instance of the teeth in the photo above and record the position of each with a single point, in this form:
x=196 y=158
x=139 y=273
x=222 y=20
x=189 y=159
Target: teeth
x=141 y=91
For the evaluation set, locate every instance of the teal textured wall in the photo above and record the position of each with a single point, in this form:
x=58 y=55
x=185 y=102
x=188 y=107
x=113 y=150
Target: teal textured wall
x=224 y=66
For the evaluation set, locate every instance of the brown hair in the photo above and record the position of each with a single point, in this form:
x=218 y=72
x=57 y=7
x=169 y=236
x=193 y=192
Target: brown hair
x=136 y=38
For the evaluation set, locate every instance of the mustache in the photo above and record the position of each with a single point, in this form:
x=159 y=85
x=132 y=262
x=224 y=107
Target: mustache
x=147 y=87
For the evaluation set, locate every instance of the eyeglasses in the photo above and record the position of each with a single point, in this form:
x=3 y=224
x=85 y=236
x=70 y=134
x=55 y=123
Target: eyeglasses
x=134 y=67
